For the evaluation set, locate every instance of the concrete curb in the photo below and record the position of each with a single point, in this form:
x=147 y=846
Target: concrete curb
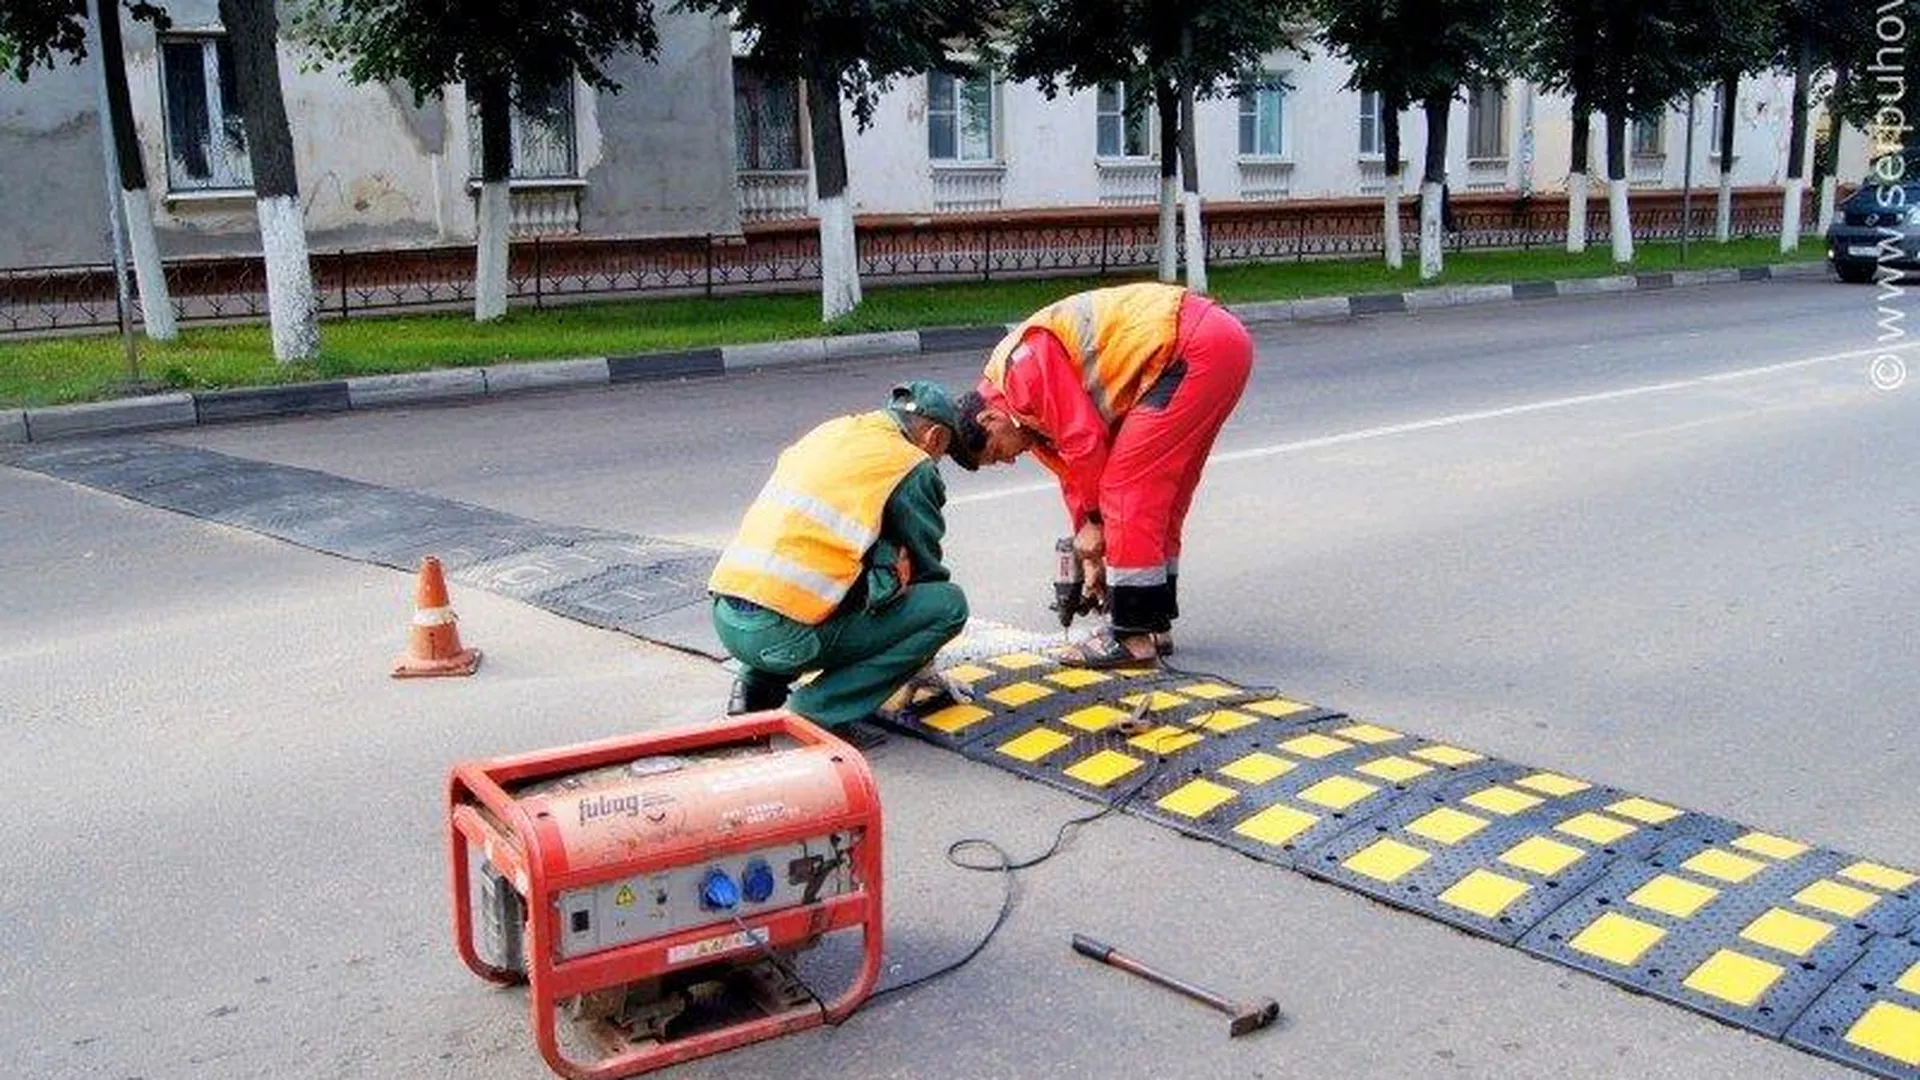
x=457 y=384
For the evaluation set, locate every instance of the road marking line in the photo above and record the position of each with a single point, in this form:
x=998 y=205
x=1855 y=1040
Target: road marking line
x=1456 y=419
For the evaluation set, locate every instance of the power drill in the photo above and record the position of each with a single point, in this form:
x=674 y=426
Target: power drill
x=1069 y=584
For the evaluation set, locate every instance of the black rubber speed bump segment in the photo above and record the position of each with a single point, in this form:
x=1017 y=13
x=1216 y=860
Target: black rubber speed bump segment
x=1870 y=1017
x=1277 y=790
x=1744 y=926
x=1497 y=850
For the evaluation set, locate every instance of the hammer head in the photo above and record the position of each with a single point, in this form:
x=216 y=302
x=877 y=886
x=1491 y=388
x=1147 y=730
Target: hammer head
x=1252 y=1016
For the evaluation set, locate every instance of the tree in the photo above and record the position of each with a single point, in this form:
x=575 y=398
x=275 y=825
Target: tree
x=847 y=51
x=1561 y=53
x=1422 y=52
x=43 y=34
x=253 y=30
x=1185 y=50
x=1741 y=45
x=1814 y=37
x=504 y=53
x=1367 y=36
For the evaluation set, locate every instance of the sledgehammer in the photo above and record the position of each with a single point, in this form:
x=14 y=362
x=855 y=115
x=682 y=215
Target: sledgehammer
x=1247 y=1015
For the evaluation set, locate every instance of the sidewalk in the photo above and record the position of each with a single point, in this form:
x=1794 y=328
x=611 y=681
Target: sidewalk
x=177 y=410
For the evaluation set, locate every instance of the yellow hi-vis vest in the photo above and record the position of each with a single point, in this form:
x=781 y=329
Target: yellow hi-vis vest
x=804 y=538
x=1118 y=339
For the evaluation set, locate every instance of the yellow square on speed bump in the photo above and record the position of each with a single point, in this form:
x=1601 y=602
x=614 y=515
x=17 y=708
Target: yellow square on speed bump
x=955 y=718
x=1484 y=893
x=1277 y=824
x=1673 y=896
x=1221 y=721
x=1790 y=933
x=1258 y=767
x=1277 y=707
x=1394 y=769
x=1337 y=792
x=1541 y=855
x=1014 y=695
x=1314 y=745
x=1385 y=860
x=1595 y=828
x=1773 y=847
x=1724 y=865
x=1074 y=678
x=1019 y=661
x=1842 y=900
x=1554 y=784
x=1034 y=745
x=1880 y=877
x=1735 y=977
x=1156 y=700
x=1617 y=938
x=1450 y=756
x=1165 y=739
x=1371 y=734
x=1102 y=768
x=1910 y=982
x=1502 y=800
x=968 y=673
x=1644 y=810
x=1196 y=798
x=1094 y=717
x=1890 y=1029
x=1210 y=690
x=1445 y=825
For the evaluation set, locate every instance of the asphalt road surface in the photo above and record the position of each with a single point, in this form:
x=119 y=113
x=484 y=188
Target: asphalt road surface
x=1665 y=542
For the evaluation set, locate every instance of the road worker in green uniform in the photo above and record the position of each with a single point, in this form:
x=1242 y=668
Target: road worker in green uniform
x=836 y=569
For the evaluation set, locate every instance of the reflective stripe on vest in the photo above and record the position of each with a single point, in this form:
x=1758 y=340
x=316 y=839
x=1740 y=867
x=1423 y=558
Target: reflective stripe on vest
x=803 y=541
x=1118 y=340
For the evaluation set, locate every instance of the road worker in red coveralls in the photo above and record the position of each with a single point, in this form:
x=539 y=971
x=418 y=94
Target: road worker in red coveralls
x=1120 y=393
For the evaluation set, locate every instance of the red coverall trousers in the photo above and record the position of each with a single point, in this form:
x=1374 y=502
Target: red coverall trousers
x=1159 y=449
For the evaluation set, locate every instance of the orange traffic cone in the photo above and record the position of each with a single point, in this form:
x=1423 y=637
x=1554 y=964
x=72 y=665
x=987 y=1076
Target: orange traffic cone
x=434 y=648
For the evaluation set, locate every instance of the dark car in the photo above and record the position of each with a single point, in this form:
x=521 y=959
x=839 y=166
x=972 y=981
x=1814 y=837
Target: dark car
x=1878 y=225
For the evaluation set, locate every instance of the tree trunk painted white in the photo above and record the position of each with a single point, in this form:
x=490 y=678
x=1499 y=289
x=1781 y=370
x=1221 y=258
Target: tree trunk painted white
x=1391 y=209
x=839 y=259
x=1619 y=221
x=283 y=237
x=1576 y=213
x=156 y=305
x=1169 y=214
x=1790 y=215
x=1723 y=208
x=1828 y=194
x=1196 y=242
x=490 y=251
x=1432 y=260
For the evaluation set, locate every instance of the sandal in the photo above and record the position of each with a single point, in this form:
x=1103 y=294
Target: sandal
x=1103 y=651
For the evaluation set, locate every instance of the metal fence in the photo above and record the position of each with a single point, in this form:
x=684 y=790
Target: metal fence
x=786 y=255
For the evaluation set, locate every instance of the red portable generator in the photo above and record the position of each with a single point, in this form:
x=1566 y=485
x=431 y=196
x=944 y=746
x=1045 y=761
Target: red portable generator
x=660 y=889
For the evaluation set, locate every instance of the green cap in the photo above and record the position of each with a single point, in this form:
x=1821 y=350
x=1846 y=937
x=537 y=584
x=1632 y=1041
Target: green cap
x=924 y=397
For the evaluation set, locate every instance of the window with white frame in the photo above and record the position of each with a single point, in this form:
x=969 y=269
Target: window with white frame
x=1487 y=121
x=960 y=117
x=1649 y=136
x=542 y=133
x=1263 y=115
x=1372 y=138
x=766 y=120
x=206 y=138
x=1118 y=135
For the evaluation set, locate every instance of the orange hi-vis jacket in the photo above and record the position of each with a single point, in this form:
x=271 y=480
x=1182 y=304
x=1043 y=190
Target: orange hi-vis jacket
x=802 y=545
x=1118 y=340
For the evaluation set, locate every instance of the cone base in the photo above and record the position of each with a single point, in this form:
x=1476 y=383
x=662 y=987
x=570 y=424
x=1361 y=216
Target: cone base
x=464 y=662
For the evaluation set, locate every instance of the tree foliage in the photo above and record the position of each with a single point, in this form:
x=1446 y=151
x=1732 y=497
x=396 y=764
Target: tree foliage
x=429 y=44
x=1207 y=46
x=46 y=33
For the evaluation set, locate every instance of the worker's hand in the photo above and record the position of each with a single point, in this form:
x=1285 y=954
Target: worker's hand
x=903 y=567
x=1090 y=542
x=1093 y=590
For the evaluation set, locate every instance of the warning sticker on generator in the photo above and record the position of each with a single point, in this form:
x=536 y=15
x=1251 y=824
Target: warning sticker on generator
x=716 y=946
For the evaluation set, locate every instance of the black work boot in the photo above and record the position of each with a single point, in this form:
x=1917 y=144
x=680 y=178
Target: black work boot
x=754 y=692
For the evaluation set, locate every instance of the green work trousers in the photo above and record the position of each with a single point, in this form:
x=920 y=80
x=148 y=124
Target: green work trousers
x=862 y=656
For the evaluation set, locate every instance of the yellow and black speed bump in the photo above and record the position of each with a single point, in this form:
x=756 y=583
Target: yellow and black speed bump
x=1497 y=851
x=1012 y=692
x=1742 y=925
x=1276 y=793
x=1870 y=1018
